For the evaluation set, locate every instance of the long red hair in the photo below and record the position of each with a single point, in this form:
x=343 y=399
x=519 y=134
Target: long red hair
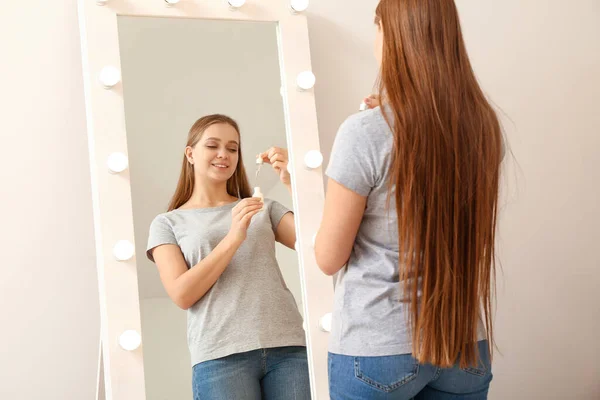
x=237 y=186
x=445 y=174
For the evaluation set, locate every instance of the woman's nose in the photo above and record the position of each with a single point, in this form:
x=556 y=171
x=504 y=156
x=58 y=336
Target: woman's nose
x=222 y=153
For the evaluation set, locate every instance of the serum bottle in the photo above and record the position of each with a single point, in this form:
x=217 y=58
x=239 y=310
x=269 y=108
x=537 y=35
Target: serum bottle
x=258 y=194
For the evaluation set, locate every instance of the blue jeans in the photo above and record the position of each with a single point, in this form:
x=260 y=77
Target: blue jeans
x=273 y=374
x=401 y=377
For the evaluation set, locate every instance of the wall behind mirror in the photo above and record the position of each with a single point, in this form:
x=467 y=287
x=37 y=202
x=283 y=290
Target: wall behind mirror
x=174 y=72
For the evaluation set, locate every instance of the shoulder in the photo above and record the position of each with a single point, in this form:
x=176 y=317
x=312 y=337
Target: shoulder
x=162 y=221
x=365 y=124
x=270 y=203
x=169 y=220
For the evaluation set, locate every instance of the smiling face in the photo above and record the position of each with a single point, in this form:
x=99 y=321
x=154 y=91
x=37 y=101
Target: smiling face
x=215 y=156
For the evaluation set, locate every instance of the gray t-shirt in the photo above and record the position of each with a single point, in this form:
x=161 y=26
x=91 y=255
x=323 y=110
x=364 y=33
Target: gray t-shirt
x=368 y=317
x=250 y=306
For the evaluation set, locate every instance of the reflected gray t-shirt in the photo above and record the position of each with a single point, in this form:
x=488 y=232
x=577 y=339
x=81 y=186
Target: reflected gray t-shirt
x=250 y=306
x=368 y=317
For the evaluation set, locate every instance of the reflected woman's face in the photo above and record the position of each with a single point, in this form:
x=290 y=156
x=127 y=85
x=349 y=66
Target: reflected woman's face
x=216 y=155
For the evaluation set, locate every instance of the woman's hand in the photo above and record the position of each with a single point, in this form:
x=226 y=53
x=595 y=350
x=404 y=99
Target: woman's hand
x=278 y=158
x=241 y=215
x=372 y=101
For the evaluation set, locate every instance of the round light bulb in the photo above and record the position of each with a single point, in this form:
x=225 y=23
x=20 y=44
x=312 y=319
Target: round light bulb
x=109 y=76
x=325 y=323
x=313 y=159
x=123 y=250
x=117 y=162
x=171 y=2
x=237 y=3
x=130 y=340
x=306 y=80
x=299 y=5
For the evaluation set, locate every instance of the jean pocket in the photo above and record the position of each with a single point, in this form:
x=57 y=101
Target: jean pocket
x=479 y=371
x=484 y=365
x=386 y=373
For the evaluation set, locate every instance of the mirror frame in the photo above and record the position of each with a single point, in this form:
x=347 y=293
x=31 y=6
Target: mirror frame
x=122 y=371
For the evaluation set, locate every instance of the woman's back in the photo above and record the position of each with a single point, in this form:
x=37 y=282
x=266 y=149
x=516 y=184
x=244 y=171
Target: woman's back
x=368 y=316
x=435 y=155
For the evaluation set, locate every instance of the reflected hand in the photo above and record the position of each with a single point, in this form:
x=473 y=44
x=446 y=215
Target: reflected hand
x=241 y=215
x=372 y=101
x=278 y=158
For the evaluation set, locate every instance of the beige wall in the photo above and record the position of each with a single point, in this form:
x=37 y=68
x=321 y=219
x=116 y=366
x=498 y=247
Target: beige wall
x=538 y=60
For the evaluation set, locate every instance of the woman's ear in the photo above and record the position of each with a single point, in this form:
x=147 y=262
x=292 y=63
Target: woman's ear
x=188 y=154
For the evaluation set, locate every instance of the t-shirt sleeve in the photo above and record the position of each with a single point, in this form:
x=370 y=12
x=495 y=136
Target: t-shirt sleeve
x=276 y=212
x=351 y=162
x=161 y=232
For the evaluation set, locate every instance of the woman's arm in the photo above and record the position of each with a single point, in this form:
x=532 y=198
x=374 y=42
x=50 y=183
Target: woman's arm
x=278 y=158
x=342 y=216
x=286 y=231
x=186 y=286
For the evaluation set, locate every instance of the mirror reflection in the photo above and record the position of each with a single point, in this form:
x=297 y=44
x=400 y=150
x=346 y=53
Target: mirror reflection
x=219 y=289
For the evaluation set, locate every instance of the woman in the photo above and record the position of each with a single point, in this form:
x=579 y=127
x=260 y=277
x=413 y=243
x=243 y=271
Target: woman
x=410 y=218
x=215 y=251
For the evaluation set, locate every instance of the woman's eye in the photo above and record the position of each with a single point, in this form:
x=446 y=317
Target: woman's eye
x=233 y=150
x=210 y=146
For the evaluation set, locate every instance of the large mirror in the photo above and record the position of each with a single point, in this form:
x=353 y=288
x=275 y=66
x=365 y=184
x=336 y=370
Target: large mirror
x=221 y=308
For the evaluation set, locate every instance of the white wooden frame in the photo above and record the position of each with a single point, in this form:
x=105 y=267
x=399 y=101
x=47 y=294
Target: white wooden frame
x=123 y=370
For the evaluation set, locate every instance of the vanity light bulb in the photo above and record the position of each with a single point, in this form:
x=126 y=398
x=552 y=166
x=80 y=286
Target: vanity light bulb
x=130 y=340
x=325 y=323
x=313 y=159
x=306 y=80
x=123 y=250
x=299 y=5
x=117 y=162
x=237 y=3
x=109 y=76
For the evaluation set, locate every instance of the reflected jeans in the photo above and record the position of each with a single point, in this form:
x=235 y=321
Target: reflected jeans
x=401 y=377
x=272 y=374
